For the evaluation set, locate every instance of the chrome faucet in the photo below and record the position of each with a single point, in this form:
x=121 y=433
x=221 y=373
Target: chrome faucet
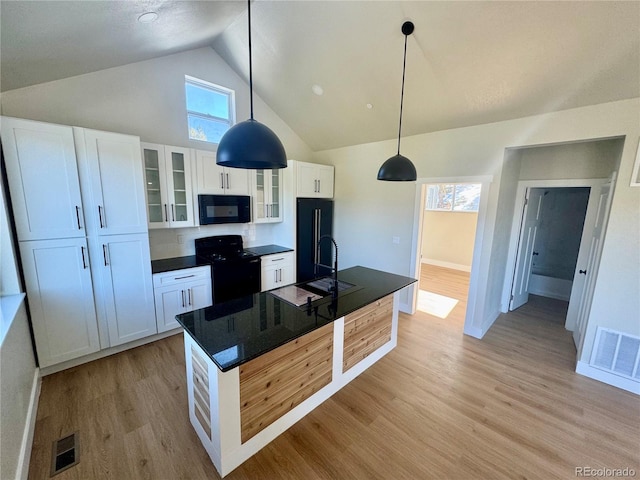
x=334 y=288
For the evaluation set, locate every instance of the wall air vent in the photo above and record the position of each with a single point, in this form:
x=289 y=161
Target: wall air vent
x=617 y=353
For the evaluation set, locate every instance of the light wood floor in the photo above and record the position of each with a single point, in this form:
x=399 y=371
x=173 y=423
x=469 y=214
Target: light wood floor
x=440 y=405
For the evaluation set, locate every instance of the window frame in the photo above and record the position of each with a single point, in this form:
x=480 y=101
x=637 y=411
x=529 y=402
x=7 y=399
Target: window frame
x=453 y=199
x=231 y=104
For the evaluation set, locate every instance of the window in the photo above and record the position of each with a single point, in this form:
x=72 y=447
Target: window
x=453 y=197
x=210 y=110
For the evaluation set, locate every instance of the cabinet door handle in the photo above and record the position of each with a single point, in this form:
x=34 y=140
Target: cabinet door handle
x=173 y=212
x=104 y=254
x=189 y=292
x=100 y=216
x=269 y=210
x=584 y=272
x=78 y=217
x=166 y=213
x=84 y=262
x=318 y=186
x=182 y=295
x=228 y=184
x=222 y=181
x=275 y=276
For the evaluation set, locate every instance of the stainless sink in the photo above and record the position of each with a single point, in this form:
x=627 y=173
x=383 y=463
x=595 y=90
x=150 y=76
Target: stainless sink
x=315 y=290
x=325 y=284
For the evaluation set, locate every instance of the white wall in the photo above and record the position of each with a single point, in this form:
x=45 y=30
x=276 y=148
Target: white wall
x=18 y=372
x=147 y=99
x=369 y=213
x=448 y=238
x=18 y=377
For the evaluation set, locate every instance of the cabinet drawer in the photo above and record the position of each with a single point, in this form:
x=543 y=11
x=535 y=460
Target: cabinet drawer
x=285 y=258
x=181 y=276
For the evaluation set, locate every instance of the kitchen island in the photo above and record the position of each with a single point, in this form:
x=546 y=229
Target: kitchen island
x=258 y=364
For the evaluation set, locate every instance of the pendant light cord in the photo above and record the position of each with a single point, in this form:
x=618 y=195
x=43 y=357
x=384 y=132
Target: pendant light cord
x=404 y=65
x=251 y=69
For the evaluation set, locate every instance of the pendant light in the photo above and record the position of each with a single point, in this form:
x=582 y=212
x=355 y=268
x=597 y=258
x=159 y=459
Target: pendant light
x=399 y=168
x=250 y=144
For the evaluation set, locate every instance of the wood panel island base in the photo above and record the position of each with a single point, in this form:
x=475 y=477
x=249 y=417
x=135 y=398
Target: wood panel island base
x=257 y=367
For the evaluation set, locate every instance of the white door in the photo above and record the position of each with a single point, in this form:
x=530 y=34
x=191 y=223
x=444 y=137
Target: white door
x=169 y=303
x=593 y=261
x=526 y=245
x=60 y=296
x=155 y=182
x=325 y=181
x=179 y=191
x=125 y=294
x=236 y=181
x=209 y=175
x=307 y=181
x=579 y=276
x=199 y=294
x=43 y=179
x=111 y=171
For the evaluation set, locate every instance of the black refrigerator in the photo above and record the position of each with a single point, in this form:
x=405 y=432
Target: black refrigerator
x=314 y=219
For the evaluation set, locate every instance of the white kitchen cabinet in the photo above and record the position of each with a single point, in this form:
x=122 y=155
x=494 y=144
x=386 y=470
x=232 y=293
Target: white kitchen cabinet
x=277 y=270
x=180 y=291
x=112 y=182
x=266 y=193
x=59 y=291
x=43 y=179
x=314 y=180
x=168 y=185
x=123 y=285
x=211 y=178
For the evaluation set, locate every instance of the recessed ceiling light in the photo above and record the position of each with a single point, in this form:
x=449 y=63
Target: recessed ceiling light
x=317 y=89
x=148 y=17
x=369 y=106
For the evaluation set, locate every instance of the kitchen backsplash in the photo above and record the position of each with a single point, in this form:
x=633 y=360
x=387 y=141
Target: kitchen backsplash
x=178 y=242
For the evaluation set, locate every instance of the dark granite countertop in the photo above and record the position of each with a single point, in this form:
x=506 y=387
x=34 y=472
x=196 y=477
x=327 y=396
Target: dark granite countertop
x=176 y=263
x=237 y=331
x=268 y=249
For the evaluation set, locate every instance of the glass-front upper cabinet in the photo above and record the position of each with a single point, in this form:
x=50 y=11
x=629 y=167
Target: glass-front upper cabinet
x=267 y=196
x=168 y=186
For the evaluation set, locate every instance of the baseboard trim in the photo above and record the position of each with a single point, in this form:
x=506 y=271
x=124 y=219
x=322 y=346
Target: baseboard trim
x=106 y=352
x=609 y=378
x=453 y=266
x=22 y=471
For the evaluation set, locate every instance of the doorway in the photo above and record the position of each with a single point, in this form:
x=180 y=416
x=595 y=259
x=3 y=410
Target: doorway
x=551 y=244
x=472 y=284
x=448 y=234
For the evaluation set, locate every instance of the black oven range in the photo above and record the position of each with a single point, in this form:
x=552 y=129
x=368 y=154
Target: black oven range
x=235 y=272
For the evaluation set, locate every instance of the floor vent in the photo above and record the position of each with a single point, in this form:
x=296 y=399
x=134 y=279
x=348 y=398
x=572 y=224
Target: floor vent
x=65 y=454
x=617 y=353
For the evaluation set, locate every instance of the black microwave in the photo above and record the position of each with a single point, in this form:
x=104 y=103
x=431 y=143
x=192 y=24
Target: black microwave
x=215 y=209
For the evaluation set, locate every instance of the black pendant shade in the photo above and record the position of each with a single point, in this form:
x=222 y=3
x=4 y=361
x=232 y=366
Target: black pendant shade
x=250 y=144
x=399 y=168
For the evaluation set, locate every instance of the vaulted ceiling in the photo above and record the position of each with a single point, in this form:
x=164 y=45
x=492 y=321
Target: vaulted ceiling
x=467 y=62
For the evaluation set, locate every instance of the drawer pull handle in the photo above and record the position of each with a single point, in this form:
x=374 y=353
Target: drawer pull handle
x=186 y=276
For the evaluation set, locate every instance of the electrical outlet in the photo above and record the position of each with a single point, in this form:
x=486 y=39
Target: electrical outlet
x=395 y=240
x=180 y=239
